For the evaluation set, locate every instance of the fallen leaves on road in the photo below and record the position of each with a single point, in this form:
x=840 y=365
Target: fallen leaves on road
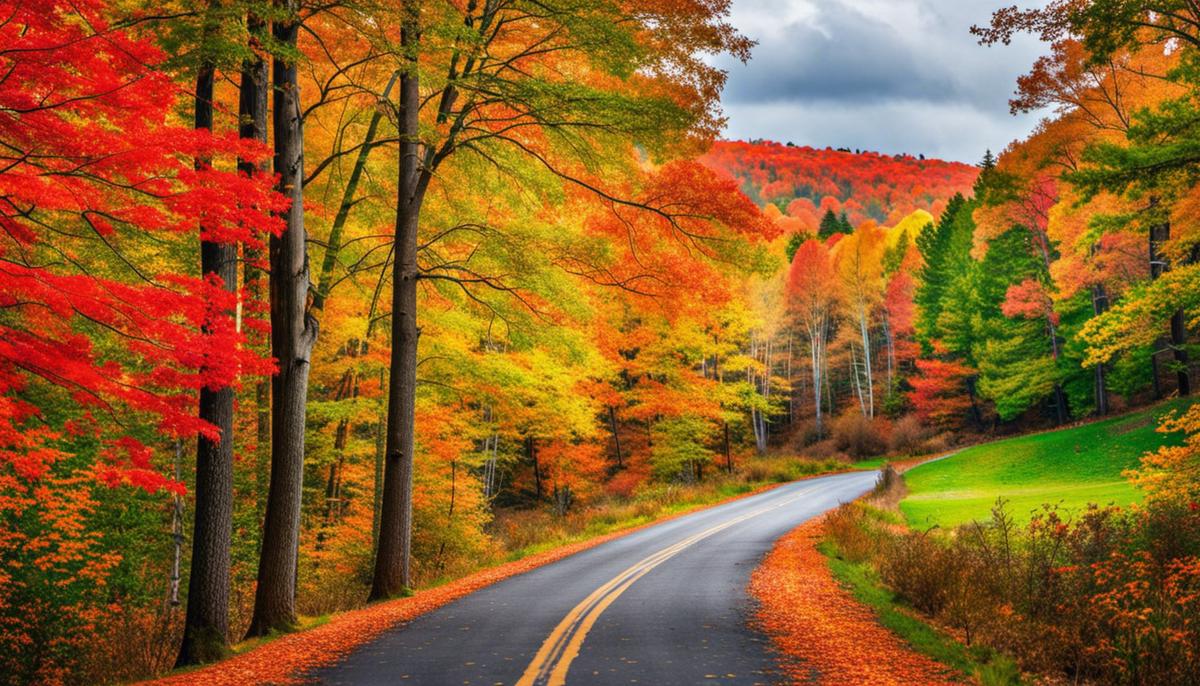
x=826 y=635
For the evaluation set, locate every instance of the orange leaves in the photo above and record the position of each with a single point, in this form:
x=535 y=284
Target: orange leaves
x=822 y=630
x=865 y=186
x=939 y=392
x=1028 y=300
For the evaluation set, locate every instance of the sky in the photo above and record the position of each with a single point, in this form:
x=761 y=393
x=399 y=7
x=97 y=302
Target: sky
x=895 y=76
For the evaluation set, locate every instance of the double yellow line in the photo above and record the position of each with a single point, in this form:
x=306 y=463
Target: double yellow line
x=549 y=667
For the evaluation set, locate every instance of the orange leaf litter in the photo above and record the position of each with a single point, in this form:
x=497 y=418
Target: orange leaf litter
x=287 y=659
x=827 y=637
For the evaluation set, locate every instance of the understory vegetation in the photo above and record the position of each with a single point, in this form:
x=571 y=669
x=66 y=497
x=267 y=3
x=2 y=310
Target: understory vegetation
x=1104 y=595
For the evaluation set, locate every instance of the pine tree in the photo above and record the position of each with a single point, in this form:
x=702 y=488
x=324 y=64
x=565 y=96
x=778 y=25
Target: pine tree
x=937 y=246
x=830 y=225
x=844 y=225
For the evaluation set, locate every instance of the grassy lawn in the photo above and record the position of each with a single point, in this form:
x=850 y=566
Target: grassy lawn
x=1070 y=468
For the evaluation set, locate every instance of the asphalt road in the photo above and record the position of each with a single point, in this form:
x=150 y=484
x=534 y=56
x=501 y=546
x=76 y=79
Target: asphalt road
x=663 y=606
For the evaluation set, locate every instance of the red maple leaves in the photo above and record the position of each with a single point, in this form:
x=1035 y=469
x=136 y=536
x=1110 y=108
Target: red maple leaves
x=90 y=166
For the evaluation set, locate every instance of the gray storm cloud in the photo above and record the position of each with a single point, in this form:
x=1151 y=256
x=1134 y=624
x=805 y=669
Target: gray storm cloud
x=890 y=75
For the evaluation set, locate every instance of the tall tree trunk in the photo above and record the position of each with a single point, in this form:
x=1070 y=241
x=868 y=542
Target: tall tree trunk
x=531 y=448
x=1099 y=306
x=1061 y=411
x=392 y=557
x=380 y=456
x=1179 y=348
x=176 y=528
x=612 y=422
x=252 y=125
x=816 y=351
x=293 y=334
x=728 y=452
x=867 y=371
x=206 y=627
x=1159 y=234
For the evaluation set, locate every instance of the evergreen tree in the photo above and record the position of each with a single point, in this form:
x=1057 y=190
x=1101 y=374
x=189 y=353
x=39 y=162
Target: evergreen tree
x=794 y=242
x=1017 y=367
x=829 y=225
x=939 y=250
x=986 y=168
x=844 y=225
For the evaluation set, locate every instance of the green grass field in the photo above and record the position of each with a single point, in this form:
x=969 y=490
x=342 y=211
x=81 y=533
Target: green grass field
x=1069 y=468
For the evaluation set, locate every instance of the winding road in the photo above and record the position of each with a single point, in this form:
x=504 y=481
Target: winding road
x=662 y=606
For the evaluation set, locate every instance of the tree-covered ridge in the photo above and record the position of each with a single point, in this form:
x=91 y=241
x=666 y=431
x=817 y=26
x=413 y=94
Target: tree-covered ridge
x=807 y=183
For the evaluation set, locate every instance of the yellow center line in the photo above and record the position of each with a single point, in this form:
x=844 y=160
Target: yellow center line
x=550 y=664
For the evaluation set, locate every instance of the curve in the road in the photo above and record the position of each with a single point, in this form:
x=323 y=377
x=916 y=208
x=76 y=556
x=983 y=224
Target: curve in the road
x=664 y=605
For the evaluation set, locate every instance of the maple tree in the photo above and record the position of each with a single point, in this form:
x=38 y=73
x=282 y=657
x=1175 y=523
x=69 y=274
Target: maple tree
x=90 y=172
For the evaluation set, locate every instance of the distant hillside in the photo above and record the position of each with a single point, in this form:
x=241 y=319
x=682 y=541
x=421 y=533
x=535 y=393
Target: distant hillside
x=805 y=182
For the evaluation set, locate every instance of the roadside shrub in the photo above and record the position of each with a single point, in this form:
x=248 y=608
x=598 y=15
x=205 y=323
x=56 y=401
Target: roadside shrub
x=806 y=434
x=907 y=437
x=825 y=450
x=919 y=569
x=859 y=436
x=848 y=527
x=1111 y=597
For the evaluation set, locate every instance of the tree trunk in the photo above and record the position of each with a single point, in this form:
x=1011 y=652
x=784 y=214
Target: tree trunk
x=867 y=371
x=728 y=453
x=392 y=556
x=612 y=421
x=206 y=627
x=537 y=471
x=380 y=448
x=252 y=125
x=1099 y=306
x=1061 y=410
x=1159 y=234
x=816 y=348
x=176 y=529
x=293 y=333
x=1179 y=347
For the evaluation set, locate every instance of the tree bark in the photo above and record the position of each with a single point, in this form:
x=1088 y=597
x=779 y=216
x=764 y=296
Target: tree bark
x=612 y=421
x=1159 y=234
x=293 y=333
x=1099 y=306
x=252 y=125
x=728 y=452
x=392 y=557
x=206 y=626
x=1179 y=348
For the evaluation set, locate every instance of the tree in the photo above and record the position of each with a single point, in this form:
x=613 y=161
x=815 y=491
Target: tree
x=944 y=248
x=206 y=626
x=1018 y=360
x=858 y=261
x=811 y=300
x=484 y=108
x=830 y=225
x=939 y=392
x=90 y=214
x=293 y=334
